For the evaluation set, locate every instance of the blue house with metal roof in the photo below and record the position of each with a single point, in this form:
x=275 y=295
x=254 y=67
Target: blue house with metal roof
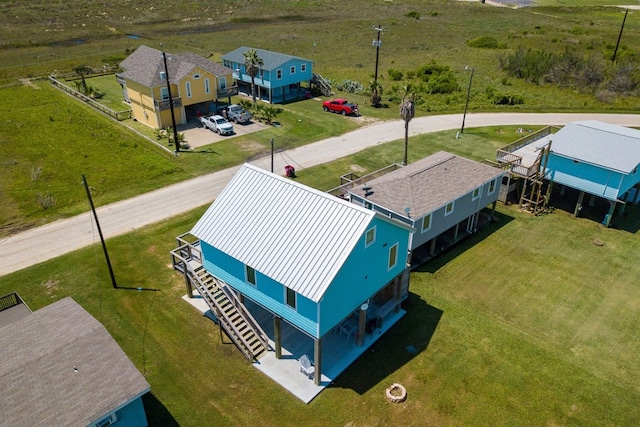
x=597 y=159
x=281 y=78
x=327 y=268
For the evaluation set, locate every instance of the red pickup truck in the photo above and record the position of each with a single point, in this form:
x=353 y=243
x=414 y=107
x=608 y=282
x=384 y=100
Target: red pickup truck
x=341 y=106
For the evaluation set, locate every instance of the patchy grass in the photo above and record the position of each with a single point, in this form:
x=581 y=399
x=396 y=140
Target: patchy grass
x=525 y=323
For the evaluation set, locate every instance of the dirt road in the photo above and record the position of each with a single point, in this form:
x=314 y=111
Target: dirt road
x=49 y=241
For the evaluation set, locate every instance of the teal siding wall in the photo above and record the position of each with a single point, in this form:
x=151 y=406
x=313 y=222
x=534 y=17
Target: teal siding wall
x=363 y=274
x=585 y=177
x=132 y=415
x=267 y=292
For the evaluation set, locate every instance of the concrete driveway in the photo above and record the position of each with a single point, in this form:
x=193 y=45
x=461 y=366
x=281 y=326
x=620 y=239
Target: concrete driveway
x=197 y=136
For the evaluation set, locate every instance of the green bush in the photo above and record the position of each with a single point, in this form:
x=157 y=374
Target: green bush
x=412 y=14
x=395 y=75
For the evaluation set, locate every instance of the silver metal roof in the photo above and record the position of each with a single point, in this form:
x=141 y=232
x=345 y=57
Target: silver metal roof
x=610 y=146
x=294 y=234
x=270 y=59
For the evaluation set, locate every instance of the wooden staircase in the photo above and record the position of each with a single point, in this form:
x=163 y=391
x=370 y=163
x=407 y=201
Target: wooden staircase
x=323 y=84
x=532 y=199
x=231 y=314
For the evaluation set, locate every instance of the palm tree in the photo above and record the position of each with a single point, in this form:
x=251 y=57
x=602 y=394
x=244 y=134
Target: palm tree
x=376 y=92
x=252 y=63
x=407 y=112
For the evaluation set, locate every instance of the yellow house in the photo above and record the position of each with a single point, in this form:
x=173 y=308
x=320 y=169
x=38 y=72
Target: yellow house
x=195 y=84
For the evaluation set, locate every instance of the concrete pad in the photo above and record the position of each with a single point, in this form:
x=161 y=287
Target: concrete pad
x=197 y=136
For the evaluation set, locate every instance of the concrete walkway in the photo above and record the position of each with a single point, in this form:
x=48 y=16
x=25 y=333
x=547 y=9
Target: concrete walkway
x=52 y=240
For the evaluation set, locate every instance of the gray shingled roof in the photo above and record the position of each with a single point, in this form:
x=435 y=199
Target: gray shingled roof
x=145 y=64
x=610 y=146
x=272 y=60
x=37 y=378
x=428 y=184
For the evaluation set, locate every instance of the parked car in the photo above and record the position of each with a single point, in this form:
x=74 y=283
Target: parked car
x=341 y=106
x=217 y=124
x=236 y=113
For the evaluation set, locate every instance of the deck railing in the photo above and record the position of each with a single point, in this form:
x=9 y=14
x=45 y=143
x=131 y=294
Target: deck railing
x=350 y=180
x=118 y=115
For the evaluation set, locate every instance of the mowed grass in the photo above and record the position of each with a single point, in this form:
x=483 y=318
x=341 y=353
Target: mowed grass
x=526 y=323
x=50 y=140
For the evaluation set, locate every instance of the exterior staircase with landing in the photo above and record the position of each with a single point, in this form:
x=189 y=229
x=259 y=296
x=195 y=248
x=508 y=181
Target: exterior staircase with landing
x=230 y=312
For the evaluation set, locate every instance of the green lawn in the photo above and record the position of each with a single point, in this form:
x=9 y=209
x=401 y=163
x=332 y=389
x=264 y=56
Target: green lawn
x=526 y=323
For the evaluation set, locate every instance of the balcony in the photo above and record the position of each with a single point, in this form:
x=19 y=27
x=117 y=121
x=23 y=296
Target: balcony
x=227 y=92
x=163 y=104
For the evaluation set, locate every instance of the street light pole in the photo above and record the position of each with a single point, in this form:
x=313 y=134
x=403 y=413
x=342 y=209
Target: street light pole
x=173 y=116
x=377 y=43
x=466 y=105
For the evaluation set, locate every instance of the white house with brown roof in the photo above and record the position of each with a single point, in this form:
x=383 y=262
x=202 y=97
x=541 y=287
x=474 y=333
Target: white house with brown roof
x=194 y=83
x=440 y=196
x=60 y=367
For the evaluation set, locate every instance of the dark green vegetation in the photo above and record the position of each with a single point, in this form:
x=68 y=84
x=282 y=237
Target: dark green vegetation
x=526 y=323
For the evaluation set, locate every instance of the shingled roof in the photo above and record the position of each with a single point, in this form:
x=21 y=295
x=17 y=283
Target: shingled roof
x=145 y=64
x=428 y=184
x=60 y=366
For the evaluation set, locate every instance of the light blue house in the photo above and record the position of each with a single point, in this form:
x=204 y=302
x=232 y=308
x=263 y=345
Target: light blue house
x=590 y=158
x=315 y=261
x=597 y=159
x=281 y=78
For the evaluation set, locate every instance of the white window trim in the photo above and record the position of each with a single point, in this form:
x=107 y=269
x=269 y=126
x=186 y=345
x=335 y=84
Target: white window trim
x=196 y=76
x=430 y=223
x=207 y=86
x=453 y=207
x=475 y=195
x=375 y=232
x=292 y=69
x=495 y=184
x=395 y=261
x=279 y=74
x=187 y=86
x=303 y=68
x=163 y=92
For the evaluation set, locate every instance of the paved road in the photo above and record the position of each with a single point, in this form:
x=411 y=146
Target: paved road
x=49 y=241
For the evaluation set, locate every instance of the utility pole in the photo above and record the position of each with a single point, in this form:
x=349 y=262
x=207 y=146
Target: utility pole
x=466 y=105
x=271 y=155
x=104 y=245
x=173 y=116
x=615 y=52
x=377 y=43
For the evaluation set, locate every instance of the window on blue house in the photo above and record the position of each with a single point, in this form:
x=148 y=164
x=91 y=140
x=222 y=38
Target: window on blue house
x=250 y=274
x=291 y=298
x=303 y=68
x=292 y=70
x=278 y=74
x=492 y=186
x=449 y=209
x=370 y=236
x=426 y=223
x=476 y=194
x=393 y=256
